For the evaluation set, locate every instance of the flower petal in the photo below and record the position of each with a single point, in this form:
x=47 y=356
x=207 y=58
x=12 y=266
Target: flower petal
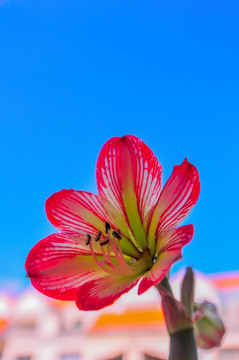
x=96 y=294
x=158 y=271
x=174 y=240
x=71 y=210
x=176 y=200
x=169 y=252
x=78 y=212
x=57 y=266
x=129 y=176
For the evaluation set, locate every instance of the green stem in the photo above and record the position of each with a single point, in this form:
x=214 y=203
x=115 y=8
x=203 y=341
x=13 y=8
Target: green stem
x=165 y=284
x=183 y=346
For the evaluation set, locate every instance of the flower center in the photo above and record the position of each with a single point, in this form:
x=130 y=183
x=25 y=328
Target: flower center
x=112 y=259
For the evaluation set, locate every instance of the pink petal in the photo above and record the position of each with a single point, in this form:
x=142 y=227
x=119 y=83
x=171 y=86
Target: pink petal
x=77 y=213
x=96 y=294
x=57 y=266
x=174 y=240
x=129 y=176
x=169 y=248
x=176 y=200
x=71 y=210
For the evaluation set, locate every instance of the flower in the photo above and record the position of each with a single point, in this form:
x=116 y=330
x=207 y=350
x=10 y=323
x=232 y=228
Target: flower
x=128 y=232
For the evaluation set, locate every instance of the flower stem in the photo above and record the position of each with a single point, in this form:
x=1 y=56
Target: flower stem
x=165 y=284
x=183 y=345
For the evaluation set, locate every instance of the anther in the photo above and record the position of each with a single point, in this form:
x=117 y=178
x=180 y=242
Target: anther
x=117 y=234
x=104 y=242
x=107 y=227
x=98 y=236
x=88 y=239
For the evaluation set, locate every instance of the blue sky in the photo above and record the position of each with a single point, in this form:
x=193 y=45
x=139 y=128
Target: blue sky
x=75 y=73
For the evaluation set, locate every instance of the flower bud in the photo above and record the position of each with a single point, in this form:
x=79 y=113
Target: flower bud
x=176 y=315
x=187 y=290
x=209 y=328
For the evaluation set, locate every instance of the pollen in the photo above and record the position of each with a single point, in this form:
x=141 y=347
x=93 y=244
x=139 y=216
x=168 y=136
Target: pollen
x=104 y=242
x=107 y=227
x=117 y=234
x=88 y=240
x=98 y=236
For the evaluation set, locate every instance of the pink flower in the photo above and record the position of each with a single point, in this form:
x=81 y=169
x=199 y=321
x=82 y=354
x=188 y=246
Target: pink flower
x=128 y=232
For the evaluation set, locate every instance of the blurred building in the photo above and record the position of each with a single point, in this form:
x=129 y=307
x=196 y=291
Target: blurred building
x=34 y=327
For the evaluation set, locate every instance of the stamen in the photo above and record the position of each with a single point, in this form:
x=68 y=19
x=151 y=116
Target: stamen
x=104 y=242
x=88 y=239
x=98 y=236
x=101 y=263
x=107 y=227
x=124 y=267
x=107 y=257
x=117 y=234
x=111 y=259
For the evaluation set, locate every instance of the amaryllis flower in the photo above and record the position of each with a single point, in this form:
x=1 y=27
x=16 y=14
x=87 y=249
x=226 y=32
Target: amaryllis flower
x=126 y=233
